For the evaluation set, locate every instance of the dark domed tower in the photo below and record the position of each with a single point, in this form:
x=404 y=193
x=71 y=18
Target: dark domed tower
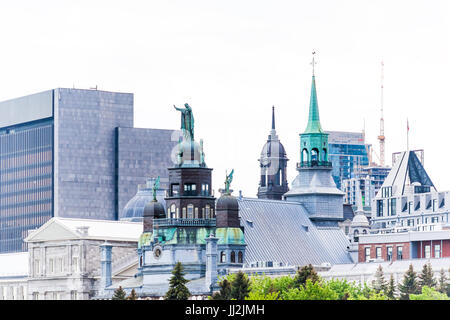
x=273 y=163
x=231 y=245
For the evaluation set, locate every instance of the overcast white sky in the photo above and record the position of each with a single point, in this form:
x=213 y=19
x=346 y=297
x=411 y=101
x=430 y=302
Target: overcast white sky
x=232 y=60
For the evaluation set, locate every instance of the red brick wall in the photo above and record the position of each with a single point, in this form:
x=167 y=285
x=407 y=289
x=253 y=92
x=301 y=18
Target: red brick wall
x=445 y=248
x=373 y=246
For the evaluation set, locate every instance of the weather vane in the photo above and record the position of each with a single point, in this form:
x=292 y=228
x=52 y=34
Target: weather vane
x=313 y=62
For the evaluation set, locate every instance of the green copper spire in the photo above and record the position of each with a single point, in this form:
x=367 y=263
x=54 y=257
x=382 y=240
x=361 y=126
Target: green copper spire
x=314 y=119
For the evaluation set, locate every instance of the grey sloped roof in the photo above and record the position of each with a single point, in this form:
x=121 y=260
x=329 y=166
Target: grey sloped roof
x=275 y=230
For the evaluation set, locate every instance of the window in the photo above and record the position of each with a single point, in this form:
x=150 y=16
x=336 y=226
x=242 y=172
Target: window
x=208 y=211
x=175 y=189
x=437 y=250
x=35 y=295
x=75 y=264
x=223 y=257
x=356 y=236
x=346 y=229
x=190 y=189
x=205 y=189
x=196 y=213
x=36 y=267
x=173 y=211
x=240 y=257
x=389 y=254
x=379 y=208
x=392 y=206
x=51 y=267
x=378 y=252
x=233 y=257
x=184 y=213
x=367 y=254
x=190 y=211
x=386 y=192
x=73 y=295
x=427 y=251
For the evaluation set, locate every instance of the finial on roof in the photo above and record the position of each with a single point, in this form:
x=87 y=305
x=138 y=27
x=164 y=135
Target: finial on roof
x=273 y=117
x=313 y=62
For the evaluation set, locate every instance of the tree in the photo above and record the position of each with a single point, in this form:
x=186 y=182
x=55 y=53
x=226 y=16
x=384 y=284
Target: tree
x=225 y=291
x=119 y=294
x=132 y=296
x=442 y=283
x=429 y=294
x=240 y=286
x=409 y=284
x=177 y=289
x=305 y=273
x=390 y=290
x=426 y=277
x=379 y=284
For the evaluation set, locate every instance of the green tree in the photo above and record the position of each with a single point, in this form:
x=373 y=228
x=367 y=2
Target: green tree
x=426 y=277
x=177 y=288
x=379 y=284
x=305 y=273
x=442 y=282
x=240 y=286
x=409 y=284
x=390 y=289
x=133 y=295
x=429 y=294
x=311 y=291
x=119 y=294
x=225 y=291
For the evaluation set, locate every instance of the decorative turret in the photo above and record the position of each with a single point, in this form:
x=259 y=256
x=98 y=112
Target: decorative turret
x=153 y=210
x=273 y=163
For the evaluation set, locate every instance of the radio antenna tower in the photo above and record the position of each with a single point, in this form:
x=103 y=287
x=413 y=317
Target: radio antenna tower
x=381 y=137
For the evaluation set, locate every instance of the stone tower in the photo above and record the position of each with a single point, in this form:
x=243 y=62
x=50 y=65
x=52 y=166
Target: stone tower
x=273 y=162
x=314 y=185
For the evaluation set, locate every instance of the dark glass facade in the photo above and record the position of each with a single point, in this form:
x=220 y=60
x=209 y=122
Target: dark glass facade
x=26 y=181
x=346 y=159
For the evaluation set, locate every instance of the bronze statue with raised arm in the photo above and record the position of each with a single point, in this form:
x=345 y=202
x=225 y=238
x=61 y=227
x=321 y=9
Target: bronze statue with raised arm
x=187 y=121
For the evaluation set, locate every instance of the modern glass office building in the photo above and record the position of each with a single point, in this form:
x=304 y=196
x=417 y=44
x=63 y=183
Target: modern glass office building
x=348 y=152
x=66 y=152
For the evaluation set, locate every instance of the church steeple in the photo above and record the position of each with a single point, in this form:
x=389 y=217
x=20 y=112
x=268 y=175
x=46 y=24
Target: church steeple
x=314 y=141
x=314 y=118
x=273 y=164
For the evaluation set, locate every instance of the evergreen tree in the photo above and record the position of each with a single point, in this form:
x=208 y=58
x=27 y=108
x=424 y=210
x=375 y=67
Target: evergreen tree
x=119 y=294
x=132 y=296
x=409 y=284
x=442 y=283
x=379 y=284
x=225 y=291
x=305 y=273
x=240 y=286
x=177 y=289
x=390 y=290
x=426 y=277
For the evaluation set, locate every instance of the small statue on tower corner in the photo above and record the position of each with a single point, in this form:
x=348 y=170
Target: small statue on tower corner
x=228 y=179
x=154 y=188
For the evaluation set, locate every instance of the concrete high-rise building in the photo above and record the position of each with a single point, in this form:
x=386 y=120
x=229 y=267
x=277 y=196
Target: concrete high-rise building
x=72 y=153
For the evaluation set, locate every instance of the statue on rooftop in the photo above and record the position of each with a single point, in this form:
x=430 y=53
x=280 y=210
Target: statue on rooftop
x=187 y=122
x=228 y=179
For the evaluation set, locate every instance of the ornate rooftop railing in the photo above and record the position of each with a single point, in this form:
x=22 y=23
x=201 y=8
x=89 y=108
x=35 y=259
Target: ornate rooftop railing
x=314 y=163
x=184 y=222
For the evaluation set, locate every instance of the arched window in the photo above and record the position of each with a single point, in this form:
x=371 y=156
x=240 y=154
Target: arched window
x=183 y=214
x=233 y=257
x=364 y=231
x=314 y=154
x=173 y=211
x=190 y=211
x=356 y=236
x=305 y=155
x=223 y=257
x=324 y=155
x=240 y=257
x=207 y=211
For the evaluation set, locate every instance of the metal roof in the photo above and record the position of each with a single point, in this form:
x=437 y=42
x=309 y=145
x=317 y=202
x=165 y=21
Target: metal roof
x=281 y=231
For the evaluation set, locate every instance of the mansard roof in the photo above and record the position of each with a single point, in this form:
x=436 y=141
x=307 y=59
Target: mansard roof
x=407 y=170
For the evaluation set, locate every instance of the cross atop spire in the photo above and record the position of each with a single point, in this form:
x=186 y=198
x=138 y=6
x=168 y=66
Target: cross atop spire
x=313 y=119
